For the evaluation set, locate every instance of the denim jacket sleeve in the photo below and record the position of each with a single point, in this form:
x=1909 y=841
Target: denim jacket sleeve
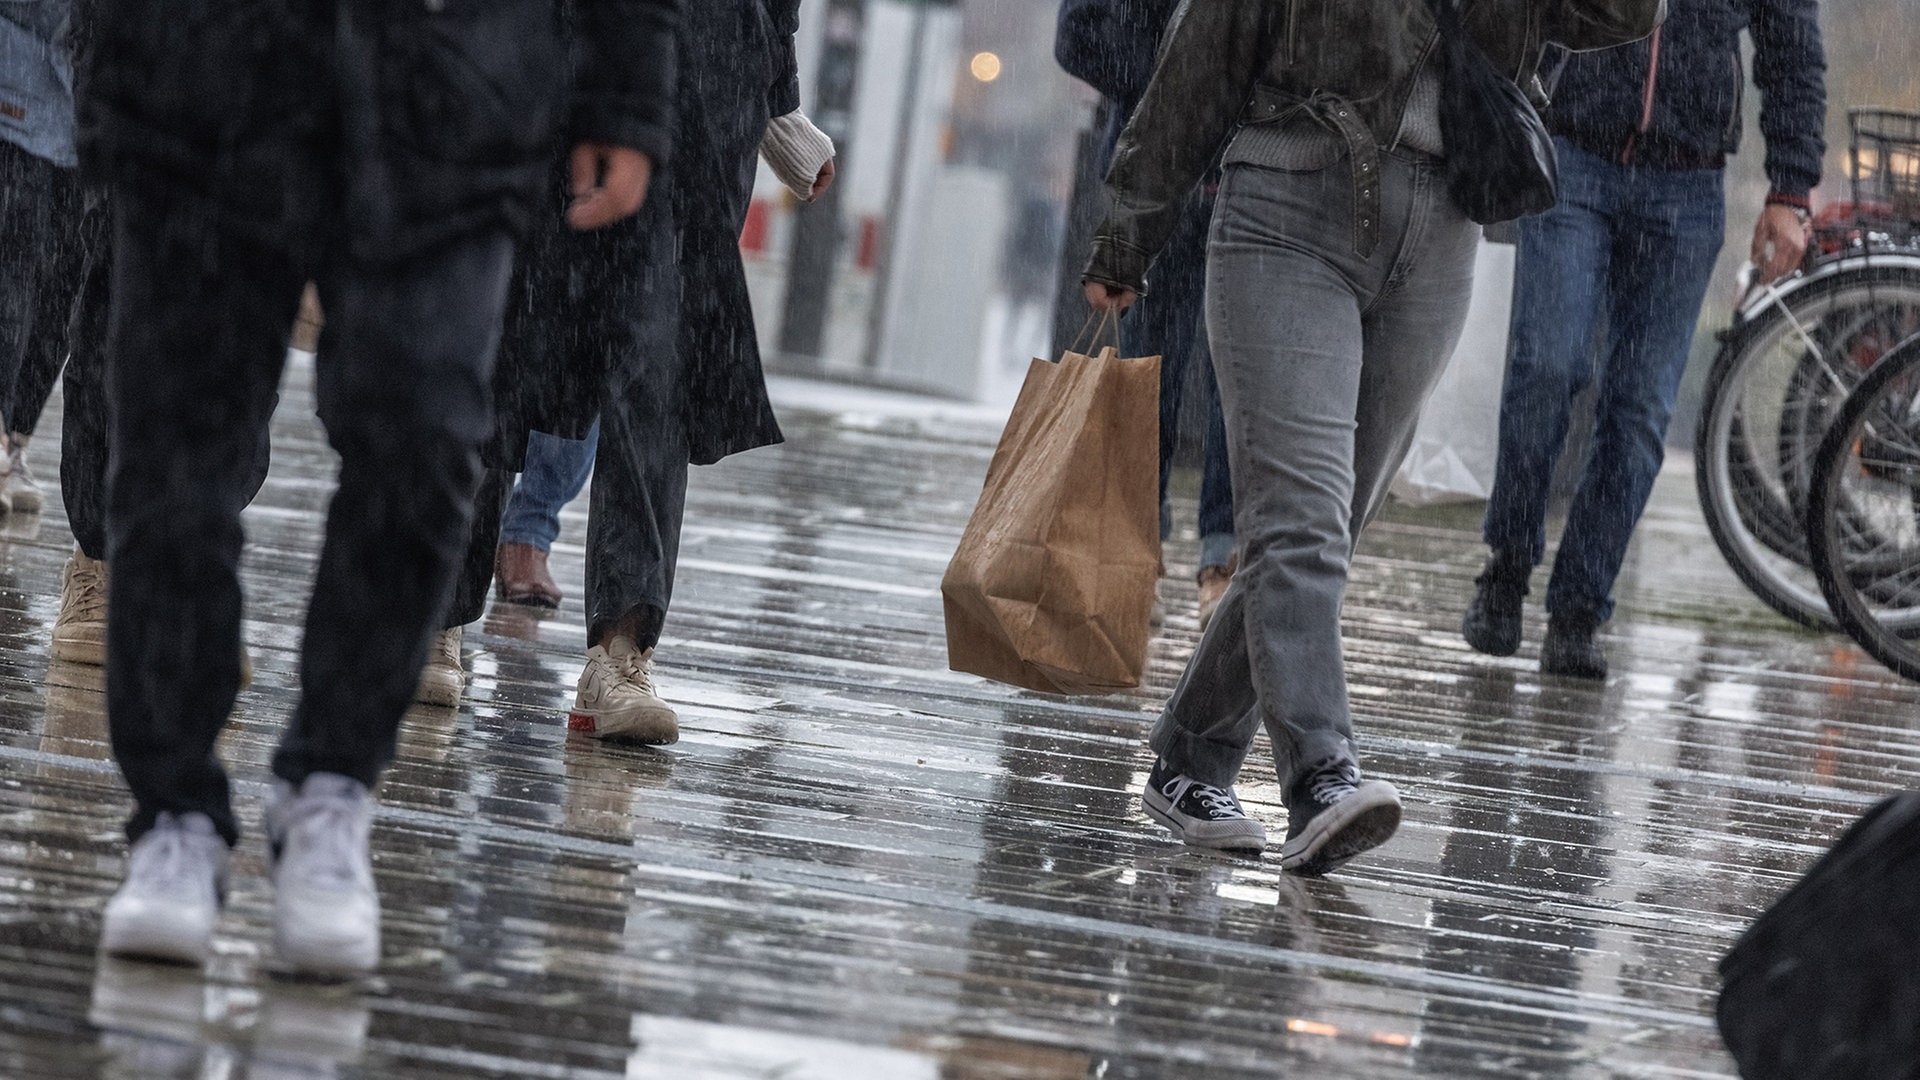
x=1599 y=24
x=1210 y=59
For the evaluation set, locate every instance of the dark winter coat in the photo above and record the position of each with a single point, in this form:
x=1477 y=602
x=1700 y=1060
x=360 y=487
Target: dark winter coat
x=429 y=119
x=1228 y=62
x=1683 y=112
x=738 y=70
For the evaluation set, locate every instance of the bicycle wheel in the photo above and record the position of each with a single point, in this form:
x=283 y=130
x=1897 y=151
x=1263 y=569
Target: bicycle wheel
x=1863 y=512
x=1778 y=380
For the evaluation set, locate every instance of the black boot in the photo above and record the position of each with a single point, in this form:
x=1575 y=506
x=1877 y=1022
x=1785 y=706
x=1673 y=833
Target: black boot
x=1492 y=625
x=1570 y=649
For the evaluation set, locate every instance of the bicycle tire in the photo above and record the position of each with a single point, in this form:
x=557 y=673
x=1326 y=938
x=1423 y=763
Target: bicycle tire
x=1852 y=455
x=1751 y=470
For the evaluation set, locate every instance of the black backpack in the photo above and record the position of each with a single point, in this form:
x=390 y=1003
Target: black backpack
x=1826 y=984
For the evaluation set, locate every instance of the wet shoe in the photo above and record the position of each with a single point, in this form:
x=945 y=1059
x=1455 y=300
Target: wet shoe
x=80 y=630
x=1213 y=588
x=22 y=493
x=1200 y=814
x=1333 y=815
x=1492 y=623
x=444 y=679
x=176 y=883
x=521 y=576
x=326 y=914
x=616 y=696
x=1570 y=648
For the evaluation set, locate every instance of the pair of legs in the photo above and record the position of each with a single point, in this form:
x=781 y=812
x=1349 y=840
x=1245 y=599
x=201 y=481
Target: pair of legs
x=1167 y=323
x=1619 y=267
x=196 y=347
x=1324 y=358
x=40 y=268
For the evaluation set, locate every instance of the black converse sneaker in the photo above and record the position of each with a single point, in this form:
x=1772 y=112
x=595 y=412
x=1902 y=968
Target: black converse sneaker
x=1200 y=814
x=1333 y=815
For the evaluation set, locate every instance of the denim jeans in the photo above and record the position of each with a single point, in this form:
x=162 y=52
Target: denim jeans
x=1324 y=359
x=1166 y=323
x=557 y=469
x=1629 y=249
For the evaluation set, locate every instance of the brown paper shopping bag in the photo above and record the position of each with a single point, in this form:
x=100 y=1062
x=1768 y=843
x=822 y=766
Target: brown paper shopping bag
x=1052 y=586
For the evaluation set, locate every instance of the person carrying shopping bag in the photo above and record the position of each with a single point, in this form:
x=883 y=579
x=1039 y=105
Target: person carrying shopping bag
x=1339 y=269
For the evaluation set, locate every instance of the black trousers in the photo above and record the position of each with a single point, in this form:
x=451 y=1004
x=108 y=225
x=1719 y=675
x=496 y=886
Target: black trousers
x=40 y=264
x=610 y=298
x=196 y=345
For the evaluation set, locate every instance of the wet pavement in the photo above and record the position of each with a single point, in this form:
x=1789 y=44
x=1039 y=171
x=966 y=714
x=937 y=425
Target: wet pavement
x=857 y=864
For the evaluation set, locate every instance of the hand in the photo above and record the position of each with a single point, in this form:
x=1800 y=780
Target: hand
x=609 y=183
x=822 y=182
x=1779 y=241
x=1108 y=298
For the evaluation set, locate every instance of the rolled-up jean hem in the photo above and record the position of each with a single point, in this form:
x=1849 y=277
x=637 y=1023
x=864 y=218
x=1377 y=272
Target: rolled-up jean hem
x=1216 y=549
x=1210 y=761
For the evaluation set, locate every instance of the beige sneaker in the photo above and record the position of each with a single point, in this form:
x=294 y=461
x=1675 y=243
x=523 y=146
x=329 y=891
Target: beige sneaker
x=21 y=491
x=80 y=630
x=616 y=696
x=443 y=679
x=1213 y=588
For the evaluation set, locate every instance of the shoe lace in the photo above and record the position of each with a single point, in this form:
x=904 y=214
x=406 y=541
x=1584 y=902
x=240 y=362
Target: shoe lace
x=1218 y=802
x=89 y=589
x=162 y=861
x=1331 y=785
x=635 y=668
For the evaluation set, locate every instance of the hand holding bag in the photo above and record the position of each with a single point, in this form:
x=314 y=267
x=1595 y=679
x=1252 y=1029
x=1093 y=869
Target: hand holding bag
x=1500 y=159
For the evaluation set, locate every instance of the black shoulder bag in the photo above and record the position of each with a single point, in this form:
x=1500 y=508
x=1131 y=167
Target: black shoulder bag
x=1500 y=160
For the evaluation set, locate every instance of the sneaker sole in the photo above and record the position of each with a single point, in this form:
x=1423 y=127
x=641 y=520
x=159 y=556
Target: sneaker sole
x=445 y=693
x=655 y=727
x=1354 y=825
x=1252 y=839
x=333 y=959
x=156 y=938
x=70 y=651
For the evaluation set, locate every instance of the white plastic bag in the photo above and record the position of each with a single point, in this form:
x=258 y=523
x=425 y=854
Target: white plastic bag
x=1458 y=437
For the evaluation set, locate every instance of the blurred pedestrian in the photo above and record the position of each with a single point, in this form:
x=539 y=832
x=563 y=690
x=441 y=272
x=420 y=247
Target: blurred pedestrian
x=249 y=148
x=1109 y=45
x=1338 y=275
x=40 y=206
x=1643 y=134
x=648 y=327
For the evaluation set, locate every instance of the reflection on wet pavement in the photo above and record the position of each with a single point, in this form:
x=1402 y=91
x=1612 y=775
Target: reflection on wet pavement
x=856 y=864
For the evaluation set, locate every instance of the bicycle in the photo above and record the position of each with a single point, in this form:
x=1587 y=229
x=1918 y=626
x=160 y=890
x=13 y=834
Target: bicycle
x=1794 y=352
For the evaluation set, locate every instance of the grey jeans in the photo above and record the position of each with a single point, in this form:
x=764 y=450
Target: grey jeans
x=1324 y=359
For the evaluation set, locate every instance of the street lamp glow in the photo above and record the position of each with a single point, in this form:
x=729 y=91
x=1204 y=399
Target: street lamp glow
x=985 y=66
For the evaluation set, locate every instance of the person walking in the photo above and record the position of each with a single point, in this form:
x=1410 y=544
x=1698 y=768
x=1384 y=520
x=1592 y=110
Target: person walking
x=40 y=212
x=248 y=149
x=1643 y=134
x=1338 y=275
x=1109 y=45
x=648 y=326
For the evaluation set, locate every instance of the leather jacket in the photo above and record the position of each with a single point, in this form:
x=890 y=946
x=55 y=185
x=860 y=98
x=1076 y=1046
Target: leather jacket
x=1349 y=64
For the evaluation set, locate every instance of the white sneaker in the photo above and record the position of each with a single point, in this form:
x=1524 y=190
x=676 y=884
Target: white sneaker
x=616 y=696
x=21 y=490
x=326 y=914
x=443 y=680
x=80 y=630
x=176 y=883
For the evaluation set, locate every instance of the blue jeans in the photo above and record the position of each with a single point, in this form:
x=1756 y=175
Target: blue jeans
x=1627 y=249
x=1167 y=323
x=557 y=469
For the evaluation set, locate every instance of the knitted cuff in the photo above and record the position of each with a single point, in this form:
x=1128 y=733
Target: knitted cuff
x=796 y=151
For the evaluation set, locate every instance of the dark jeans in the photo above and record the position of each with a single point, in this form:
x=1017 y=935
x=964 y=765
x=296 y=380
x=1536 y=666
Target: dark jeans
x=1629 y=249
x=1167 y=323
x=639 y=491
x=197 y=341
x=40 y=265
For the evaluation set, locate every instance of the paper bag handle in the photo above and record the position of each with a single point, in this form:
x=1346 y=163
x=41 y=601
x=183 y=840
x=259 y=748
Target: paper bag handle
x=1099 y=323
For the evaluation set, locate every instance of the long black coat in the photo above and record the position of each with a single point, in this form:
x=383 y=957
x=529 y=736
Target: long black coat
x=571 y=332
